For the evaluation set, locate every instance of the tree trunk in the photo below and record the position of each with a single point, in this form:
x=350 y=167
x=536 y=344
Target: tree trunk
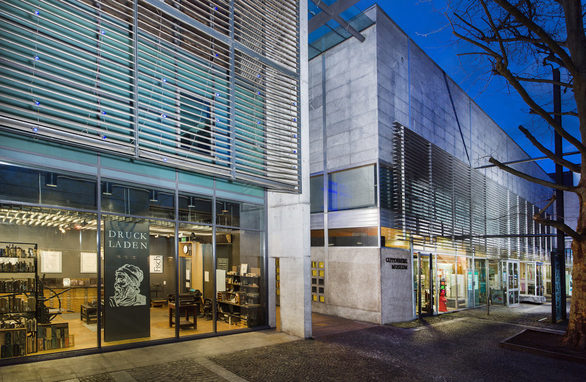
x=576 y=334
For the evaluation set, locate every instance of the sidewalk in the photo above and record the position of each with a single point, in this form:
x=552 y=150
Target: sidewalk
x=153 y=363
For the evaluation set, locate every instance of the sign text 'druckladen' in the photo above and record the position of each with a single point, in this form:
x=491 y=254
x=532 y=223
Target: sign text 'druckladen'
x=127 y=239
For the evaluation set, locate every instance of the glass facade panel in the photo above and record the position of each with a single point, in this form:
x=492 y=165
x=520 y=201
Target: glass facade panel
x=19 y=184
x=158 y=279
x=317 y=238
x=354 y=188
x=240 y=279
x=48 y=280
x=196 y=285
x=228 y=213
x=447 y=290
x=68 y=191
x=353 y=237
x=480 y=285
x=137 y=200
x=195 y=209
x=316 y=193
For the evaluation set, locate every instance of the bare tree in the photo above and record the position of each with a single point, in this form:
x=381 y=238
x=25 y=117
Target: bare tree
x=522 y=40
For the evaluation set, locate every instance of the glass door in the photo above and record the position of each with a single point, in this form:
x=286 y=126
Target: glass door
x=512 y=283
x=539 y=288
x=424 y=284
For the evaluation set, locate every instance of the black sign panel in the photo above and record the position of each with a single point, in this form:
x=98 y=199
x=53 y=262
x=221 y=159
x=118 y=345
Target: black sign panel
x=126 y=280
x=557 y=298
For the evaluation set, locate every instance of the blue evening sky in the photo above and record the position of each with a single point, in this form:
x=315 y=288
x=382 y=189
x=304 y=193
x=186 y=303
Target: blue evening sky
x=425 y=23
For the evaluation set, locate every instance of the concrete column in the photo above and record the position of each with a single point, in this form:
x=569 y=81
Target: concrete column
x=288 y=225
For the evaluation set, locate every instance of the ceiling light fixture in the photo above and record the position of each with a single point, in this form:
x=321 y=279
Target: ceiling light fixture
x=107 y=188
x=51 y=179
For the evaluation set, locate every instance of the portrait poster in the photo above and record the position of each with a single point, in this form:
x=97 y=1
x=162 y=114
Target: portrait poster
x=126 y=280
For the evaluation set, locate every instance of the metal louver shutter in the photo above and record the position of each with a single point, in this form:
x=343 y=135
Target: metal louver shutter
x=206 y=86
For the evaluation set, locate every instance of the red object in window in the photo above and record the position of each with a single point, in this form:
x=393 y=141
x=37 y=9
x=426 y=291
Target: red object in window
x=442 y=302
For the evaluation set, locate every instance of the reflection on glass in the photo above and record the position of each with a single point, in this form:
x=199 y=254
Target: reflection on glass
x=317 y=237
x=480 y=282
x=137 y=201
x=353 y=237
x=316 y=196
x=239 y=279
x=195 y=209
x=353 y=188
x=19 y=184
x=58 y=248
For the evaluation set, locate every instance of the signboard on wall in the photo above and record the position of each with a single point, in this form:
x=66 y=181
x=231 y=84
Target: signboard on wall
x=126 y=280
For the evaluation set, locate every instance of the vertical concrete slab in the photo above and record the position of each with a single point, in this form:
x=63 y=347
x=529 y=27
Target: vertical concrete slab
x=288 y=225
x=396 y=269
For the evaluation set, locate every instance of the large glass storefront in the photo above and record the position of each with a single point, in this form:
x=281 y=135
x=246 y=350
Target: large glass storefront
x=86 y=264
x=445 y=283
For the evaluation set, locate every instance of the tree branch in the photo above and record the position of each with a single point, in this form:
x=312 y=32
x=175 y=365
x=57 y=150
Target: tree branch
x=505 y=72
x=529 y=24
x=561 y=161
x=559 y=226
x=545 y=81
x=496 y=33
x=530 y=178
x=570 y=113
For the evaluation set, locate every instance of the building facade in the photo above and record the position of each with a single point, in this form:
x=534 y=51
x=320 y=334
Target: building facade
x=404 y=222
x=141 y=144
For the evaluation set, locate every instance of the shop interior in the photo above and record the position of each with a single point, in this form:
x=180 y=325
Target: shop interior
x=49 y=279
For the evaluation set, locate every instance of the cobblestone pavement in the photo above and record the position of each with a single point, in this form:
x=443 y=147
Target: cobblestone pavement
x=461 y=346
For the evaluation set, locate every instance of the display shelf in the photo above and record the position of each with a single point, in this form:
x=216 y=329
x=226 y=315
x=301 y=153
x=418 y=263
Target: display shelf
x=240 y=303
x=17 y=275
x=18 y=299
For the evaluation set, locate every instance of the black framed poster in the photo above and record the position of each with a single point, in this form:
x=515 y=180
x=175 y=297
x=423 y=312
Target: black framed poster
x=126 y=280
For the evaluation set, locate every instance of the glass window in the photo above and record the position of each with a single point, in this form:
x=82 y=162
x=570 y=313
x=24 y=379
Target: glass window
x=353 y=237
x=252 y=216
x=19 y=184
x=240 y=279
x=235 y=214
x=228 y=213
x=196 y=272
x=317 y=237
x=195 y=209
x=68 y=191
x=386 y=187
x=316 y=193
x=136 y=200
x=354 y=188
x=59 y=247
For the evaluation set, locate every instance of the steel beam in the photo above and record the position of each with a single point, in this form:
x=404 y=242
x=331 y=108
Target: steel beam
x=333 y=12
x=323 y=17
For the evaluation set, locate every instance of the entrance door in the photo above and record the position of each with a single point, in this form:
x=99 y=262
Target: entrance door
x=424 y=283
x=512 y=283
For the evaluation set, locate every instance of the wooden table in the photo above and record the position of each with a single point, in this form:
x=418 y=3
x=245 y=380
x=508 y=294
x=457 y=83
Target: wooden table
x=187 y=308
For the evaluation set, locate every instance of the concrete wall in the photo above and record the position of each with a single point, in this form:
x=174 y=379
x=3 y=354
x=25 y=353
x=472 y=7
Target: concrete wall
x=352 y=283
x=396 y=285
x=288 y=227
x=349 y=107
x=414 y=91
